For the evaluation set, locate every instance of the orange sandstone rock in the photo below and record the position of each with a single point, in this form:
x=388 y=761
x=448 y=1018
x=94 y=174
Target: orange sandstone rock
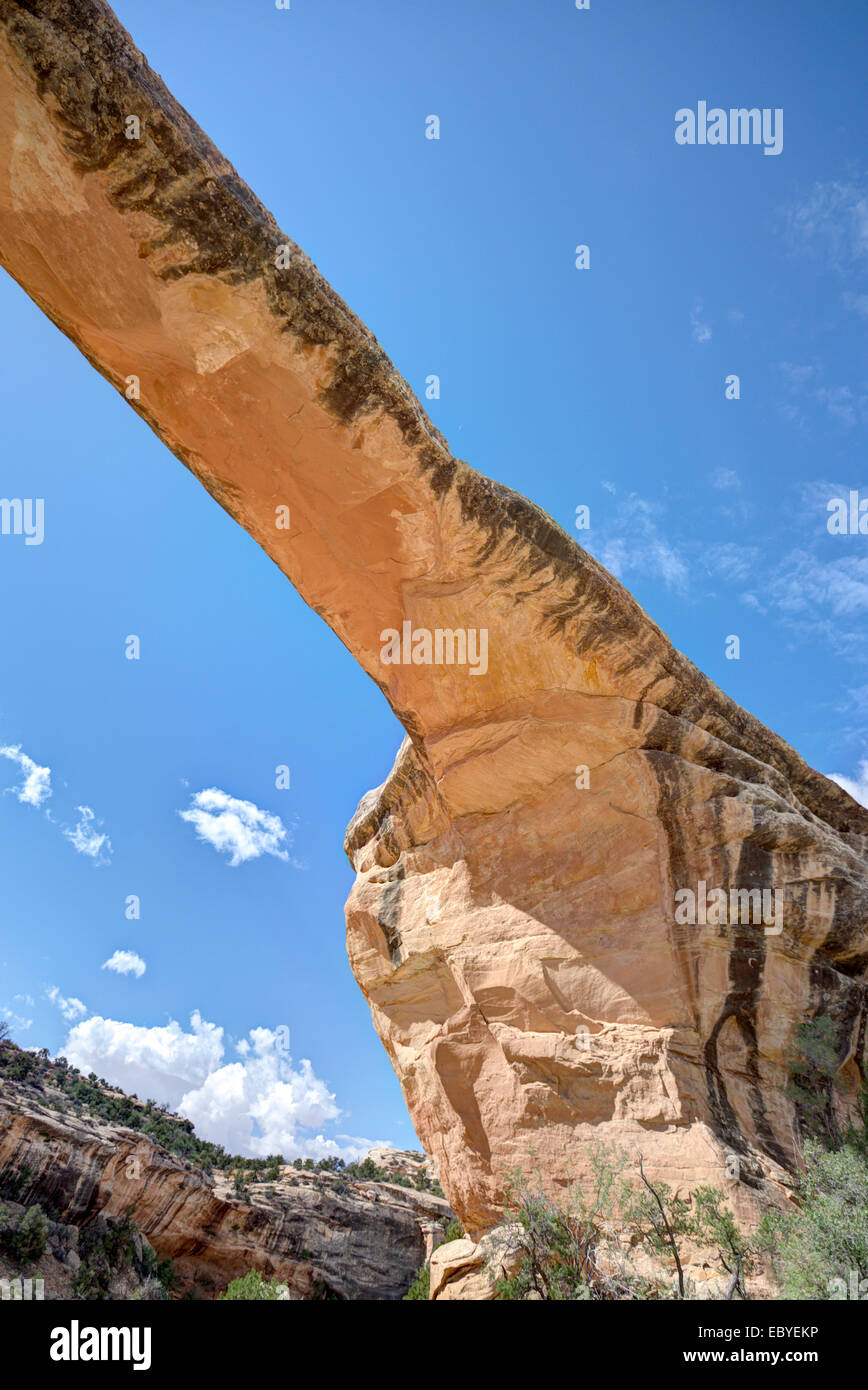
x=515 y=933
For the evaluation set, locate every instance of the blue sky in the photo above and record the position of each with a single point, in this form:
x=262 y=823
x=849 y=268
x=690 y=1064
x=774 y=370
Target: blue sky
x=601 y=387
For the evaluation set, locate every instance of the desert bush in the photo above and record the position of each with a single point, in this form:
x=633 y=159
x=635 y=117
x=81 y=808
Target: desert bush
x=420 y=1288
x=251 y=1287
x=23 y=1237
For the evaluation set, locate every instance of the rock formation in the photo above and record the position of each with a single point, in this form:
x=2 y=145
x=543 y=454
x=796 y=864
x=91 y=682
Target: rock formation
x=514 y=926
x=321 y=1234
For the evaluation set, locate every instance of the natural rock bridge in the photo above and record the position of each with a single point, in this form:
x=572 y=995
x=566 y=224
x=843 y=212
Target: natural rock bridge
x=515 y=934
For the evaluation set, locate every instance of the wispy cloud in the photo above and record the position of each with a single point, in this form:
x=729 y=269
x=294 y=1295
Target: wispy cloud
x=635 y=544
x=730 y=560
x=832 y=221
x=796 y=376
x=804 y=583
x=699 y=328
x=857 y=303
x=36 y=787
x=125 y=963
x=725 y=479
x=71 y=1008
x=86 y=839
x=237 y=828
x=16 y=1020
x=846 y=405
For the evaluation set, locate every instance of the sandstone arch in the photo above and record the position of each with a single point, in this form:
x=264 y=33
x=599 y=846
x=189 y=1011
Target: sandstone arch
x=497 y=909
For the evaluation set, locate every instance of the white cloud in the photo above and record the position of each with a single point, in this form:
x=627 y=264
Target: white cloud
x=259 y=1105
x=858 y=303
x=825 y=599
x=796 y=377
x=806 y=584
x=724 y=479
x=161 y=1063
x=832 y=221
x=701 y=331
x=857 y=786
x=71 y=1008
x=751 y=601
x=237 y=828
x=14 y=1019
x=125 y=963
x=86 y=840
x=730 y=560
x=846 y=406
x=36 y=786
x=637 y=545
x=36 y=789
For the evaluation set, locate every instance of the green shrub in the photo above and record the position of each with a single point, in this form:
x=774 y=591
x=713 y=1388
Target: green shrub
x=14 y=1181
x=108 y=1247
x=813 y=1079
x=420 y=1288
x=251 y=1287
x=582 y=1249
x=23 y=1238
x=820 y=1250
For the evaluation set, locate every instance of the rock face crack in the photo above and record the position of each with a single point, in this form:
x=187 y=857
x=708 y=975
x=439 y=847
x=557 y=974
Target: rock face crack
x=515 y=892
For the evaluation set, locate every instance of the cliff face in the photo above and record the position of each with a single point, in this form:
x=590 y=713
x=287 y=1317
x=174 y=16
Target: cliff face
x=518 y=935
x=322 y=1235
x=529 y=977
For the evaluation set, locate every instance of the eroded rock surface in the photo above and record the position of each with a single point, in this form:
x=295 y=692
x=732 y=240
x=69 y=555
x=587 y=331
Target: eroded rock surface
x=320 y=1234
x=499 y=910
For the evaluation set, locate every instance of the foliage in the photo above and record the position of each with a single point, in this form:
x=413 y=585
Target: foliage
x=23 y=1237
x=584 y=1248
x=107 y=1248
x=15 y=1181
x=161 y=1270
x=240 y=1188
x=252 y=1287
x=813 y=1071
x=820 y=1250
x=714 y=1224
x=573 y=1251
x=420 y=1288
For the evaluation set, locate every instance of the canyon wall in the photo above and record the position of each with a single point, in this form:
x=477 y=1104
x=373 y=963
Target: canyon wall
x=513 y=925
x=323 y=1235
